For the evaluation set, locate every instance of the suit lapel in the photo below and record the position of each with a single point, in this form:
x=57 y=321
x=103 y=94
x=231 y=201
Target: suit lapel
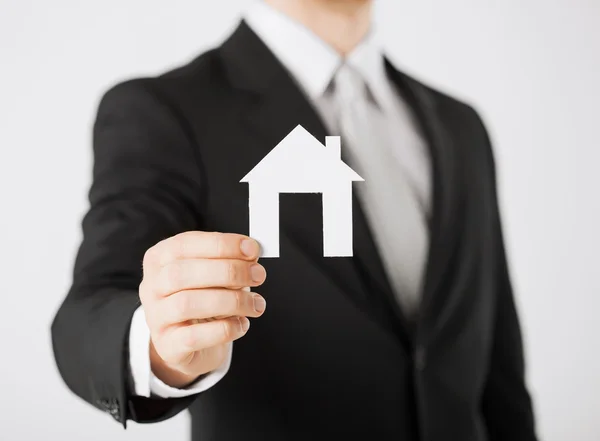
x=445 y=219
x=276 y=106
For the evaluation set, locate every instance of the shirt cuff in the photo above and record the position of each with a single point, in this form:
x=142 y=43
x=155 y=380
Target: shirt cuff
x=145 y=382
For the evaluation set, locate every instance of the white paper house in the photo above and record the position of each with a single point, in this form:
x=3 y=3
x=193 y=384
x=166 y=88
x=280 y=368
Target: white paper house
x=301 y=164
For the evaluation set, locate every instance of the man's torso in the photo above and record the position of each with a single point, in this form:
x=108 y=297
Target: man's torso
x=333 y=356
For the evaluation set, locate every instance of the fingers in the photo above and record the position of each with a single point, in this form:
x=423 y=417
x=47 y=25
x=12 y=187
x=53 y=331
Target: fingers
x=208 y=303
x=202 y=245
x=207 y=273
x=178 y=343
x=195 y=294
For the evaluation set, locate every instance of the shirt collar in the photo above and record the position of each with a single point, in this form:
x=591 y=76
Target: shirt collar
x=309 y=59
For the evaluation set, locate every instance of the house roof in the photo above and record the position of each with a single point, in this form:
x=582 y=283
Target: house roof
x=301 y=153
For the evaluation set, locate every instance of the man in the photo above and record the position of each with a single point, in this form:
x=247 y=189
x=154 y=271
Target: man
x=415 y=337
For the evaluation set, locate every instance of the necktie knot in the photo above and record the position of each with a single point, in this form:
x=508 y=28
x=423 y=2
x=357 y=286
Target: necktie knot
x=348 y=84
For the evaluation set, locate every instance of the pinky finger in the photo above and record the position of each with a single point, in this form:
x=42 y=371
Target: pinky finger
x=204 y=335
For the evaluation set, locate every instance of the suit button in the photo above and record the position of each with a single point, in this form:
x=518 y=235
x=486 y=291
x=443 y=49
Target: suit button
x=111 y=407
x=115 y=410
x=420 y=358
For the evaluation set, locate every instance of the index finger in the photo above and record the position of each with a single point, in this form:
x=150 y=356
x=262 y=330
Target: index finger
x=206 y=245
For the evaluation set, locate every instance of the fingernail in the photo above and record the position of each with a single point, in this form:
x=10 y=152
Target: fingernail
x=244 y=324
x=259 y=303
x=249 y=247
x=258 y=273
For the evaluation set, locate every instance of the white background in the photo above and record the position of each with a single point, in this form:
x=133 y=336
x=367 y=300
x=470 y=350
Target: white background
x=532 y=67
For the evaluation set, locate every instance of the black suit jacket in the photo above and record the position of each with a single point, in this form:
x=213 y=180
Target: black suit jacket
x=333 y=356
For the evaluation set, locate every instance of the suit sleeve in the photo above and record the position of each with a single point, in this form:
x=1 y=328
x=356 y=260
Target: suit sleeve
x=146 y=187
x=506 y=406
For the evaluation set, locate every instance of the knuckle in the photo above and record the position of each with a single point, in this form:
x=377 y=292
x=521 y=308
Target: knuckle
x=176 y=247
x=233 y=272
x=172 y=277
x=219 y=245
x=154 y=323
x=147 y=291
x=143 y=290
x=227 y=330
x=149 y=257
x=153 y=315
x=182 y=305
x=239 y=300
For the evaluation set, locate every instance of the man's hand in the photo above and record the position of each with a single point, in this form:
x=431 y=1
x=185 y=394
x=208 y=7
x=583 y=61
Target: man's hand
x=195 y=303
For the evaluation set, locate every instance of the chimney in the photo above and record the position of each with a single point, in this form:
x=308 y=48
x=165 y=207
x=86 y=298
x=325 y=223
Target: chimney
x=333 y=143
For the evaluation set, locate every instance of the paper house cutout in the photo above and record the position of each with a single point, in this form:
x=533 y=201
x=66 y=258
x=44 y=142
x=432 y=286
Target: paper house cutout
x=301 y=164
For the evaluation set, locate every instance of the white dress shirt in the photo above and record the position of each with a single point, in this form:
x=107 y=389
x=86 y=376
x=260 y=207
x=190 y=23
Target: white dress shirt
x=313 y=64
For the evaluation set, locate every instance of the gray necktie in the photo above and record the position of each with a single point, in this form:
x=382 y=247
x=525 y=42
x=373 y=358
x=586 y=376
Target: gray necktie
x=391 y=205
